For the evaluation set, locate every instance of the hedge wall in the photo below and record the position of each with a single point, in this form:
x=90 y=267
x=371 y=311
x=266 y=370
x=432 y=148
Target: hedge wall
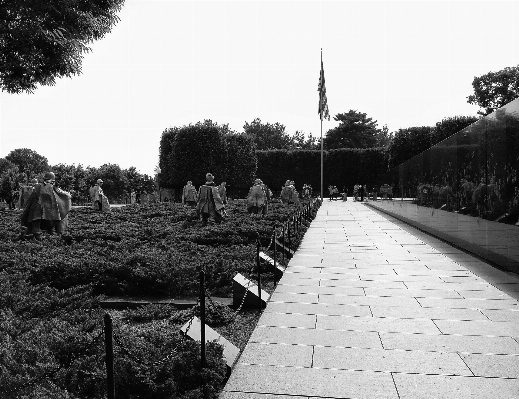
x=189 y=152
x=343 y=167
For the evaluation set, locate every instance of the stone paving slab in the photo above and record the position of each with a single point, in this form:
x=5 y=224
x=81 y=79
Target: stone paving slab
x=400 y=277
x=317 y=337
x=428 y=313
x=372 y=308
x=292 y=279
x=291 y=297
x=362 y=283
x=302 y=271
x=250 y=395
x=450 y=343
x=323 y=309
x=295 y=289
x=376 y=324
x=475 y=285
x=287 y=320
x=498 y=328
x=327 y=383
x=461 y=303
x=502 y=366
x=390 y=360
x=501 y=315
x=368 y=300
x=449 y=387
x=402 y=292
x=488 y=294
x=277 y=355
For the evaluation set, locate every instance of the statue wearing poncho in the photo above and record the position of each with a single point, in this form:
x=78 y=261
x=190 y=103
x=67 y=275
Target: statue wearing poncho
x=189 y=194
x=289 y=194
x=209 y=201
x=257 y=198
x=100 y=201
x=47 y=208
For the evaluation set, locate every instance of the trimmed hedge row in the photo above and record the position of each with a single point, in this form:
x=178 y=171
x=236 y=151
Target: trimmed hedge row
x=342 y=168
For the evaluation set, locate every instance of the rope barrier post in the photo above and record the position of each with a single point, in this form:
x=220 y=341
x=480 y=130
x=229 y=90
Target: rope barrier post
x=202 y=318
x=259 y=271
x=110 y=386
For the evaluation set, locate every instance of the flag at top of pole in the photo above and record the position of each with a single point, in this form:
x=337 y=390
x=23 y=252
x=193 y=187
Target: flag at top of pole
x=323 y=101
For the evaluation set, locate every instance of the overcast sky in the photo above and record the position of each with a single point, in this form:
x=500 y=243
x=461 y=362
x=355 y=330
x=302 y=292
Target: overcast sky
x=171 y=63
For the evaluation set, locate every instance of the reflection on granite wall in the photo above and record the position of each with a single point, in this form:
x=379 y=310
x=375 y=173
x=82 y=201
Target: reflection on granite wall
x=474 y=172
x=495 y=242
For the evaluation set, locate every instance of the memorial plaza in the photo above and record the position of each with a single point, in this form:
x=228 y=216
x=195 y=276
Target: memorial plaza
x=370 y=307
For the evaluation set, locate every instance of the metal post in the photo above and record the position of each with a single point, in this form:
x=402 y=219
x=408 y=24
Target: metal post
x=110 y=386
x=289 y=241
x=259 y=272
x=283 y=252
x=274 y=240
x=202 y=319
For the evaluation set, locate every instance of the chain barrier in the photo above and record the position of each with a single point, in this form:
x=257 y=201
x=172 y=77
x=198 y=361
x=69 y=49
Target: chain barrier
x=125 y=350
x=271 y=239
x=193 y=315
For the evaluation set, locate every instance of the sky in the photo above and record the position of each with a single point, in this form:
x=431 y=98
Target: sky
x=173 y=63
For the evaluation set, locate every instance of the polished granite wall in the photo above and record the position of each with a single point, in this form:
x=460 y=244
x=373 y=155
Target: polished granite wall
x=466 y=188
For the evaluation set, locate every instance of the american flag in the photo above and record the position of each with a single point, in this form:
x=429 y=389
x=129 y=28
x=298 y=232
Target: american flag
x=323 y=101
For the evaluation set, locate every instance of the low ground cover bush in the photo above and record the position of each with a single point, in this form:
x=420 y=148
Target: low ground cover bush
x=51 y=323
x=145 y=250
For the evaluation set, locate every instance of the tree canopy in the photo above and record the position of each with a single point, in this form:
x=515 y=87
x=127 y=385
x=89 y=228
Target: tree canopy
x=42 y=40
x=495 y=89
x=356 y=130
x=407 y=143
x=302 y=142
x=267 y=136
x=28 y=161
x=449 y=126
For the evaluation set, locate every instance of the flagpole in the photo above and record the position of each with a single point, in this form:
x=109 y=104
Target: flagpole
x=322 y=147
x=322 y=157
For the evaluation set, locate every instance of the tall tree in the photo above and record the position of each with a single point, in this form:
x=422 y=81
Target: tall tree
x=268 y=136
x=495 y=89
x=449 y=126
x=42 y=40
x=134 y=178
x=301 y=142
x=10 y=180
x=114 y=180
x=383 y=137
x=355 y=130
x=28 y=161
x=407 y=143
x=5 y=165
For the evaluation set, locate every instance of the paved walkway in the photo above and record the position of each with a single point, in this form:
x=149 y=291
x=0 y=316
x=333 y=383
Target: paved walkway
x=371 y=308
